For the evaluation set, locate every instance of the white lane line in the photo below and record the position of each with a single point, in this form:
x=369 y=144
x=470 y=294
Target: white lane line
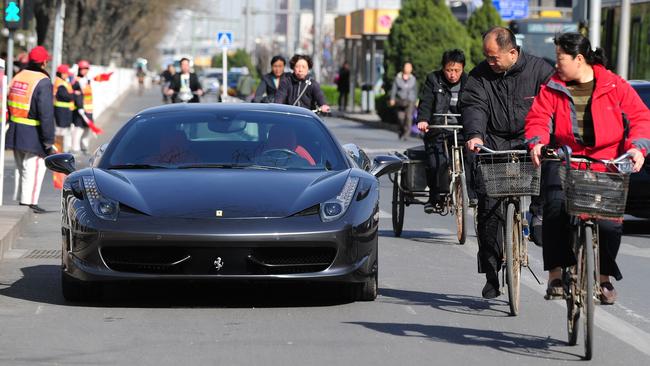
x=634 y=251
x=39 y=310
x=15 y=253
x=380 y=151
x=606 y=321
x=384 y=215
x=410 y=310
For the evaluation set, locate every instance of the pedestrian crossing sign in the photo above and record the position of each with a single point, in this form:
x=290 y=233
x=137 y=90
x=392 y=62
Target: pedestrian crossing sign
x=224 y=39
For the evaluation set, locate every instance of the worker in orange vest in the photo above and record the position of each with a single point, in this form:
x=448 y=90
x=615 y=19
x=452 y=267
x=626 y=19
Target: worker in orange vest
x=63 y=106
x=31 y=126
x=83 y=116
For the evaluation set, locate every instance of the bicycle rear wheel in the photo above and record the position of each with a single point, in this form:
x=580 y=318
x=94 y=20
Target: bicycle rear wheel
x=588 y=290
x=513 y=263
x=460 y=192
x=398 y=206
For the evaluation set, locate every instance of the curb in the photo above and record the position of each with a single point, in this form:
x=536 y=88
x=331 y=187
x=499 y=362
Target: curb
x=12 y=222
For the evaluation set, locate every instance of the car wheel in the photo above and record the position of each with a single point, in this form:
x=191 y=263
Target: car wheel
x=79 y=291
x=367 y=291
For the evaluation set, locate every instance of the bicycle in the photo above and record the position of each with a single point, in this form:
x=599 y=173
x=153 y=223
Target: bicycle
x=511 y=177
x=589 y=195
x=409 y=183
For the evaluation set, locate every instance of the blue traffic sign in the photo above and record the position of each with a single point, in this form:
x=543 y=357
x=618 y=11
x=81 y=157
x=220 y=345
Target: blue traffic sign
x=225 y=39
x=511 y=9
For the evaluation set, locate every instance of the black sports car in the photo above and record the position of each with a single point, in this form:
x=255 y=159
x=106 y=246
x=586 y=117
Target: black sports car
x=214 y=192
x=638 y=198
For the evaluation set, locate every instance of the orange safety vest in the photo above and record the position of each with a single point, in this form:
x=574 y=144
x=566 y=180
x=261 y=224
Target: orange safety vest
x=87 y=92
x=20 y=95
x=57 y=103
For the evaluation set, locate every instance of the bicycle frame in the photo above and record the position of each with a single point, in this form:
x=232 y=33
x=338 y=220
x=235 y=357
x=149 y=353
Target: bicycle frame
x=457 y=151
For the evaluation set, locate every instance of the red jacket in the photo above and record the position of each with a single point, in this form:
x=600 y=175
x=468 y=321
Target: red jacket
x=553 y=112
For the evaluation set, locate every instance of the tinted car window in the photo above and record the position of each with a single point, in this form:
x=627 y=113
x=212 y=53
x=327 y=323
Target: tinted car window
x=644 y=93
x=236 y=139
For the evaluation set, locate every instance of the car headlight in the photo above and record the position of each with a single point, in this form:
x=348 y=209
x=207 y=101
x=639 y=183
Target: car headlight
x=103 y=207
x=335 y=208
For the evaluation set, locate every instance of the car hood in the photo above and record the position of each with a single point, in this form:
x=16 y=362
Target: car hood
x=237 y=193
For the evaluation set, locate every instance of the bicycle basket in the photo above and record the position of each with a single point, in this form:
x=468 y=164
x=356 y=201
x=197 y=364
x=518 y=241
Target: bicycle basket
x=414 y=176
x=596 y=194
x=506 y=175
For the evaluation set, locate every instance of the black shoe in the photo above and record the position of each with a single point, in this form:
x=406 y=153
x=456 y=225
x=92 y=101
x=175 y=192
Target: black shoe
x=429 y=208
x=491 y=289
x=555 y=290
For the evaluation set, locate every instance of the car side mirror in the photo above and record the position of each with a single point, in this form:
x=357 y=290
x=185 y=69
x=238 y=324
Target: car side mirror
x=359 y=156
x=60 y=163
x=385 y=164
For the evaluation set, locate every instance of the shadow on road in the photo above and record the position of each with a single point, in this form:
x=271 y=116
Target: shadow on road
x=459 y=304
x=510 y=342
x=640 y=228
x=42 y=284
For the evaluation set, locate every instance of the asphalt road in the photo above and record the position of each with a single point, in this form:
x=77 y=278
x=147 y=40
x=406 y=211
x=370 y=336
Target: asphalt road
x=429 y=310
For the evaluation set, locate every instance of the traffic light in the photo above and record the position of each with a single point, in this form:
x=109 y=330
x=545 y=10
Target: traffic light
x=13 y=14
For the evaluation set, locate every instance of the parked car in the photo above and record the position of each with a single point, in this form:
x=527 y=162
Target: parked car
x=638 y=197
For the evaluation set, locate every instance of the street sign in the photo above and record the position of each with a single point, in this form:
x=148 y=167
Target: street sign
x=511 y=9
x=224 y=39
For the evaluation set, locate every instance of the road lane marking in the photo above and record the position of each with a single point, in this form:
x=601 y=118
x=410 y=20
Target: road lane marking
x=384 y=215
x=39 y=310
x=410 y=310
x=15 y=253
x=634 y=251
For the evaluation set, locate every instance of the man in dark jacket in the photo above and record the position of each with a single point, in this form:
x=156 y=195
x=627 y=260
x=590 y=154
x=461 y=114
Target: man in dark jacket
x=343 y=85
x=498 y=94
x=440 y=95
x=31 y=127
x=185 y=86
x=270 y=83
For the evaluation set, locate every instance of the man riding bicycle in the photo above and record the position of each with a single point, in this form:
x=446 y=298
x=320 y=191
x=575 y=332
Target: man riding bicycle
x=440 y=95
x=495 y=101
x=185 y=86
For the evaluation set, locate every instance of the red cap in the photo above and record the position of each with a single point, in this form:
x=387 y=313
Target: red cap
x=83 y=64
x=63 y=69
x=39 y=54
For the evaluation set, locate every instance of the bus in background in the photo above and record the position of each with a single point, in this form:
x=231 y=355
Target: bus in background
x=639 y=53
x=535 y=35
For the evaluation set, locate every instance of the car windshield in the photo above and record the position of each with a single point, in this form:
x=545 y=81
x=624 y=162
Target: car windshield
x=224 y=139
x=644 y=93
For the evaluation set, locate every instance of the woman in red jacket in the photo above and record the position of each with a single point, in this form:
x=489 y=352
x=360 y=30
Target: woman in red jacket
x=586 y=107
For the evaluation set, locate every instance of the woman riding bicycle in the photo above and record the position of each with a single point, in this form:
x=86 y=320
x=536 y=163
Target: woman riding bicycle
x=599 y=115
x=299 y=89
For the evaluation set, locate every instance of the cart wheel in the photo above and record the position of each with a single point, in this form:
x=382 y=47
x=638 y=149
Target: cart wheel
x=398 y=206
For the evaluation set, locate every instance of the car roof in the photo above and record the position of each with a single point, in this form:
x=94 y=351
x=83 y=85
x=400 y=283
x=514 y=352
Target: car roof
x=227 y=107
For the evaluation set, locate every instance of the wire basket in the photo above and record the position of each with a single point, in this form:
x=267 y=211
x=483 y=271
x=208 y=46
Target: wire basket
x=507 y=175
x=595 y=194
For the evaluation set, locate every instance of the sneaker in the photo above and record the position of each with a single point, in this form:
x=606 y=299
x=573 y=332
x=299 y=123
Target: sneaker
x=555 y=290
x=607 y=293
x=491 y=289
x=429 y=208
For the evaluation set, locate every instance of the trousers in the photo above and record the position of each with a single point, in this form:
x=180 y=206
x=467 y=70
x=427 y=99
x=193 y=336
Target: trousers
x=30 y=171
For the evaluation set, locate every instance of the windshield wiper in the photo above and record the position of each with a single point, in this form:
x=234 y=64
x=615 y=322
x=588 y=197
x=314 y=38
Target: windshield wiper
x=228 y=166
x=137 y=166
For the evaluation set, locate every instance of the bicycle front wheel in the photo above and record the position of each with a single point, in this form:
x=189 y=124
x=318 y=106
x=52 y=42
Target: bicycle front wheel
x=588 y=289
x=513 y=263
x=460 y=193
x=572 y=278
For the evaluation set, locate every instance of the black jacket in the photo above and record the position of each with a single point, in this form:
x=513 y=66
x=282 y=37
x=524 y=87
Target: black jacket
x=494 y=106
x=35 y=139
x=290 y=88
x=265 y=92
x=175 y=85
x=62 y=115
x=435 y=97
x=343 y=83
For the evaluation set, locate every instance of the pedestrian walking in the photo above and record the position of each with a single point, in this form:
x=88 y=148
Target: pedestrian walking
x=495 y=101
x=403 y=95
x=270 y=83
x=343 y=85
x=31 y=127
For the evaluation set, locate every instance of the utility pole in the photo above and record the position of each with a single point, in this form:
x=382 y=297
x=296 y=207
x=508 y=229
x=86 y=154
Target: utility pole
x=290 y=28
x=594 y=23
x=318 y=37
x=622 y=61
x=10 y=55
x=247 y=22
x=57 y=45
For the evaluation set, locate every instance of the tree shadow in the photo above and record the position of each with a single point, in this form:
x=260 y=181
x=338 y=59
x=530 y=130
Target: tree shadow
x=510 y=342
x=42 y=284
x=453 y=303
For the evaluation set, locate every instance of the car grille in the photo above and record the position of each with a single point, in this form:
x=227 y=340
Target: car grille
x=171 y=260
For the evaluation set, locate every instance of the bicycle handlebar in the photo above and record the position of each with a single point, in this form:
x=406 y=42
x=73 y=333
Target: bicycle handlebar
x=621 y=162
x=490 y=151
